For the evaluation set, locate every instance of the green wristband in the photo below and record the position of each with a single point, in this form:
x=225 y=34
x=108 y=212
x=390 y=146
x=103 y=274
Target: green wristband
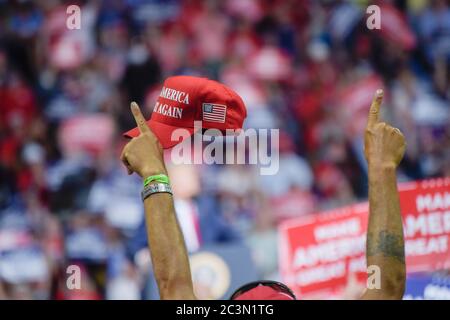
x=159 y=178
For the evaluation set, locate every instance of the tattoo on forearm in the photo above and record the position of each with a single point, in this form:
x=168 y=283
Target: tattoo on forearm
x=388 y=244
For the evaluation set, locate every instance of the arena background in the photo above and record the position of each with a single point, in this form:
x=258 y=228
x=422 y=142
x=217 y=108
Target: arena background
x=309 y=68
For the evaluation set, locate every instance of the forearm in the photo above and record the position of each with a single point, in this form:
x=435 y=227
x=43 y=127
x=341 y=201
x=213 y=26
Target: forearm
x=385 y=244
x=144 y=155
x=168 y=250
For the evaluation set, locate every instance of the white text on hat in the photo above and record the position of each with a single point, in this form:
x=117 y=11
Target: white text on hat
x=167 y=110
x=175 y=95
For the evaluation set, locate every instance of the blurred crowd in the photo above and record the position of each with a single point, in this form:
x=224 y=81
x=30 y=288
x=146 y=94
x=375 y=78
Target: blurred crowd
x=308 y=68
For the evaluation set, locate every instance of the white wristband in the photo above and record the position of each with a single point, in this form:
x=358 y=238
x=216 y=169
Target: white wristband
x=155 y=188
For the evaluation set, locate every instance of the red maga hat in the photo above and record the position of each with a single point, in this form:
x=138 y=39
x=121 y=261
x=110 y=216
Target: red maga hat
x=185 y=99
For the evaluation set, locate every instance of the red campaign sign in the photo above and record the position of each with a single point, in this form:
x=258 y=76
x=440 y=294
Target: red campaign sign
x=319 y=252
x=90 y=133
x=426 y=224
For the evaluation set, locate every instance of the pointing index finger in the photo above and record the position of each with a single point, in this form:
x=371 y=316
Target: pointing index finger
x=139 y=118
x=375 y=108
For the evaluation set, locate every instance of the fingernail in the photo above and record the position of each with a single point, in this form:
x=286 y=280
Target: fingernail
x=379 y=93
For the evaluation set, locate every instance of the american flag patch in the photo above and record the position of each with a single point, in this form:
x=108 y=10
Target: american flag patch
x=214 y=112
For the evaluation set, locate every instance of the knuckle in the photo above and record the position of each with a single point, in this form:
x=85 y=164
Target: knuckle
x=398 y=133
x=379 y=127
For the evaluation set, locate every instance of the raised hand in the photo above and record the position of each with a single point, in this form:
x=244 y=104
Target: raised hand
x=384 y=149
x=384 y=145
x=143 y=154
